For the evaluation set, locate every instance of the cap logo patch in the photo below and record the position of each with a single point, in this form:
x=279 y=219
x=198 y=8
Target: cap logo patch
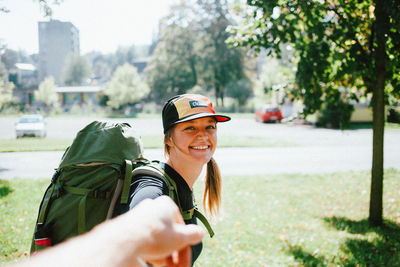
x=197 y=104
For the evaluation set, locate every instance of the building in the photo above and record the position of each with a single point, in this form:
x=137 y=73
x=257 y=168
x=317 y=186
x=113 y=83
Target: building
x=78 y=95
x=57 y=39
x=24 y=77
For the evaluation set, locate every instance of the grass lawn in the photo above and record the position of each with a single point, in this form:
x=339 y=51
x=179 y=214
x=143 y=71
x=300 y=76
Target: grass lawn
x=34 y=144
x=268 y=220
x=149 y=141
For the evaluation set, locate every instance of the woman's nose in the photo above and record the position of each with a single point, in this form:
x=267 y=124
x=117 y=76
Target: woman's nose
x=202 y=134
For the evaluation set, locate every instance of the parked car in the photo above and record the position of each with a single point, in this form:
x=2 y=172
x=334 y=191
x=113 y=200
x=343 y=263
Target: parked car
x=31 y=125
x=269 y=113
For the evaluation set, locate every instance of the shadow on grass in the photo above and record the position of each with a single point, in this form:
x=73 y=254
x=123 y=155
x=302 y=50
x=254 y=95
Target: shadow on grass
x=358 y=126
x=5 y=188
x=380 y=249
x=383 y=250
x=305 y=258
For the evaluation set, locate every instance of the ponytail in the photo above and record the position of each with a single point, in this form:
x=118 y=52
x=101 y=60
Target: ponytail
x=212 y=192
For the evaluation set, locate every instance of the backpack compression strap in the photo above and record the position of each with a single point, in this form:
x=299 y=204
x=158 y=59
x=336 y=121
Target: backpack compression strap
x=101 y=195
x=157 y=171
x=188 y=214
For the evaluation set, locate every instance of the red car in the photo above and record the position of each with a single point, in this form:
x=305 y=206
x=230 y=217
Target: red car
x=268 y=114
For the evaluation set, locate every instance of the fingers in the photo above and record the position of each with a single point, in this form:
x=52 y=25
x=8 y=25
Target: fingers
x=167 y=233
x=183 y=258
x=189 y=234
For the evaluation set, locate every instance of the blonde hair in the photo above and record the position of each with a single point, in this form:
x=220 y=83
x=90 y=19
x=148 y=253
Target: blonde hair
x=213 y=183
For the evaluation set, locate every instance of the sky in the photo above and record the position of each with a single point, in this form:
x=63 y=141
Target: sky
x=103 y=25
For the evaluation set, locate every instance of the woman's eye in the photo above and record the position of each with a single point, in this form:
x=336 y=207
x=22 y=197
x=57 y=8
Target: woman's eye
x=211 y=127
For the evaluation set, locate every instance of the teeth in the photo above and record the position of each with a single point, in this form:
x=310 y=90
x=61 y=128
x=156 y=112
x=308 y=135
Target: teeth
x=200 y=147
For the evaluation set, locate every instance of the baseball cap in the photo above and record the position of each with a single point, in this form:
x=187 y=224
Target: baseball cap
x=188 y=107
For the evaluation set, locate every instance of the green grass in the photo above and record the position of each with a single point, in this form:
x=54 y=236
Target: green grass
x=388 y=126
x=268 y=220
x=150 y=141
x=304 y=220
x=19 y=202
x=34 y=144
x=392 y=126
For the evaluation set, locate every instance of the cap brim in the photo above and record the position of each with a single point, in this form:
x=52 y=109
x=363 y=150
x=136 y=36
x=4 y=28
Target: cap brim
x=218 y=118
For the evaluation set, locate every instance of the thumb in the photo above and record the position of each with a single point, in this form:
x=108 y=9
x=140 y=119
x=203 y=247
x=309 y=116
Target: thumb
x=190 y=234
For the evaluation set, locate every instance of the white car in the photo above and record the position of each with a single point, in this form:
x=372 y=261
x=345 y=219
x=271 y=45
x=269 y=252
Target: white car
x=31 y=125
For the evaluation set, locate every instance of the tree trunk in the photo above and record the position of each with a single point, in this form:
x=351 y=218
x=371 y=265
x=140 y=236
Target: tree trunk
x=217 y=93
x=376 y=197
x=192 y=64
x=222 y=97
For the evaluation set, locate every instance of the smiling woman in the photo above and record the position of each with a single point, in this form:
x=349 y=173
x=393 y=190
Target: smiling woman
x=193 y=142
x=190 y=140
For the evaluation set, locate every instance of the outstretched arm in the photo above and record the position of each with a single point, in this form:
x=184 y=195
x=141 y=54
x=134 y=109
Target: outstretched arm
x=152 y=231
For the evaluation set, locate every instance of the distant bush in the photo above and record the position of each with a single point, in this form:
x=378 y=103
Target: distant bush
x=150 y=108
x=393 y=116
x=335 y=115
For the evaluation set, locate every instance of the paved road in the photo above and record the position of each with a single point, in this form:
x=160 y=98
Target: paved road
x=316 y=150
x=240 y=161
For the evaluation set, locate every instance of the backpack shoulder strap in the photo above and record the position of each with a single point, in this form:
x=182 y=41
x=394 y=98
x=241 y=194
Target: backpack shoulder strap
x=153 y=169
x=127 y=181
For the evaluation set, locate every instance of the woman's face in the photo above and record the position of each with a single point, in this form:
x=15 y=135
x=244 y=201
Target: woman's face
x=193 y=140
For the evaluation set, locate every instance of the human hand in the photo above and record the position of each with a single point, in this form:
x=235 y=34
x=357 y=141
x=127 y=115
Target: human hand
x=164 y=238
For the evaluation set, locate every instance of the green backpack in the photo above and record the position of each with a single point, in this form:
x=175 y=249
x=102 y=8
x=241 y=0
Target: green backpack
x=95 y=172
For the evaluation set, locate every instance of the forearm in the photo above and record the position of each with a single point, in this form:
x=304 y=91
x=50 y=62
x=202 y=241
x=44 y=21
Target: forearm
x=107 y=245
x=153 y=231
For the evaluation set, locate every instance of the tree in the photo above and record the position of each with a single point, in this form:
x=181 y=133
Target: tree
x=46 y=8
x=125 y=87
x=125 y=55
x=240 y=90
x=6 y=92
x=173 y=67
x=274 y=75
x=4 y=9
x=222 y=64
x=9 y=57
x=3 y=72
x=346 y=48
x=47 y=93
x=76 y=69
x=192 y=51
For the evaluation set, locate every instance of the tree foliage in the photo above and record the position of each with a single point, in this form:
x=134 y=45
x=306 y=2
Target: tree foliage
x=222 y=63
x=125 y=87
x=274 y=75
x=103 y=65
x=192 y=50
x=3 y=72
x=76 y=69
x=125 y=55
x=6 y=93
x=340 y=44
x=173 y=68
x=47 y=92
x=9 y=57
x=335 y=41
x=241 y=90
x=46 y=6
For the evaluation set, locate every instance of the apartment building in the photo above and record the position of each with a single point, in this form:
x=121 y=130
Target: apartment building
x=57 y=39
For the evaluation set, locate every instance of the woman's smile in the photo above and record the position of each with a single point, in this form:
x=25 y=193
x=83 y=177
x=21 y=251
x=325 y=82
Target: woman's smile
x=200 y=147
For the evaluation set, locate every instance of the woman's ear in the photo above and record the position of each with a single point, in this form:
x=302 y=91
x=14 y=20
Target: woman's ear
x=169 y=142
